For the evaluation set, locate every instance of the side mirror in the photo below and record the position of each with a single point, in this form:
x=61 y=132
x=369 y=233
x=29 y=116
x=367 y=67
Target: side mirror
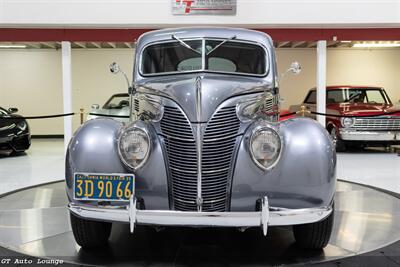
x=13 y=110
x=95 y=106
x=295 y=68
x=114 y=68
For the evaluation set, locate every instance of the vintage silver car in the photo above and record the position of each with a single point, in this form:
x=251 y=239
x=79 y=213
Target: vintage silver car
x=204 y=146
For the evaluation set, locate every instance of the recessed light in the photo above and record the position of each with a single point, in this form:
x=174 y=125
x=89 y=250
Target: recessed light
x=12 y=46
x=376 y=45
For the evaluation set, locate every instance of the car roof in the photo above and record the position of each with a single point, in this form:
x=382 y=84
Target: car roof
x=339 y=87
x=205 y=32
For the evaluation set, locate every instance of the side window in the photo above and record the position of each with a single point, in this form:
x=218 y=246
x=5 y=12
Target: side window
x=311 y=98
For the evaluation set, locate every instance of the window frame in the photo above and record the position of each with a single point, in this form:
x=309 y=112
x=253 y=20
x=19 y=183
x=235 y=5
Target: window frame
x=203 y=57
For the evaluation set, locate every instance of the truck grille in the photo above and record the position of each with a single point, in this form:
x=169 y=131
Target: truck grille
x=217 y=152
x=381 y=123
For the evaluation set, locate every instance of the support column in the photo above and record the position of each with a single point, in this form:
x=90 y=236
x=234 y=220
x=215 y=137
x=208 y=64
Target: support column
x=67 y=90
x=321 y=81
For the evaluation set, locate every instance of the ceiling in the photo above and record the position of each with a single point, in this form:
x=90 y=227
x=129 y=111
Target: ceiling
x=127 y=45
x=130 y=45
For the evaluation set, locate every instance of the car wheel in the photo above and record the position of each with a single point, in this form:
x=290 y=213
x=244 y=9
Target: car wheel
x=339 y=143
x=314 y=235
x=90 y=234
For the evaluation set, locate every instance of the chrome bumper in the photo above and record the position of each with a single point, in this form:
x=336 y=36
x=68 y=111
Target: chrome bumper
x=352 y=135
x=264 y=218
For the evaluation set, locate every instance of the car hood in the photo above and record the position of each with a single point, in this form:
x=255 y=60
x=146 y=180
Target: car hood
x=363 y=109
x=200 y=95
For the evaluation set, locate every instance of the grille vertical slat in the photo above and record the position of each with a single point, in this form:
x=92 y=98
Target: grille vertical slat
x=217 y=151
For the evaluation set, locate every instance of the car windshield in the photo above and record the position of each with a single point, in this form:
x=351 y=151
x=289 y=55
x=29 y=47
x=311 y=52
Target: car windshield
x=226 y=56
x=358 y=95
x=117 y=102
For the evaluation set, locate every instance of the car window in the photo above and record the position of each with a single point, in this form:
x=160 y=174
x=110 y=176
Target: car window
x=117 y=102
x=235 y=57
x=356 y=95
x=311 y=97
x=375 y=96
x=219 y=56
x=172 y=57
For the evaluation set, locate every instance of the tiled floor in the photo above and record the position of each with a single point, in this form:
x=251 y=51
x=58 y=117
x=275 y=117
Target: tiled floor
x=44 y=162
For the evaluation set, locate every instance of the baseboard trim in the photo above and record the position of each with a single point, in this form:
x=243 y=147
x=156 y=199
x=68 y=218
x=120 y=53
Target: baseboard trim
x=45 y=136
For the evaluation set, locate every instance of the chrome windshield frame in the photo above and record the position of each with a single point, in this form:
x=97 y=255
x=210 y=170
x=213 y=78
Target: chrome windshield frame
x=203 y=58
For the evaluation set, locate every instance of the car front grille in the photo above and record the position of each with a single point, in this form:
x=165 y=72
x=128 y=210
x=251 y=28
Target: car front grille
x=218 y=146
x=379 y=124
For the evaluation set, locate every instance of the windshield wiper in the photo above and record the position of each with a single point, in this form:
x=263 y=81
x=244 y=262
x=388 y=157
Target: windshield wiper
x=221 y=43
x=185 y=44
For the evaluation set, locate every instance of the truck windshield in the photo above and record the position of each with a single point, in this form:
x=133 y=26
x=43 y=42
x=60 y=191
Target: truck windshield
x=223 y=56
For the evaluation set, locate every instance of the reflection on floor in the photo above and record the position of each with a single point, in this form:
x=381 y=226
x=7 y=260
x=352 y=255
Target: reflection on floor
x=372 y=166
x=36 y=222
x=44 y=162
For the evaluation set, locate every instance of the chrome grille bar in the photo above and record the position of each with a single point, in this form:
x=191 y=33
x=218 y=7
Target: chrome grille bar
x=379 y=123
x=200 y=168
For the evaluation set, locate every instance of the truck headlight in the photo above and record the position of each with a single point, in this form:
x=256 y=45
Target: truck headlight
x=265 y=147
x=347 y=122
x=133 y=146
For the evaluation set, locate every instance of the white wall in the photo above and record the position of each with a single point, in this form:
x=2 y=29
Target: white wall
x=376 y=67
x=31 y=79
x=157 y=13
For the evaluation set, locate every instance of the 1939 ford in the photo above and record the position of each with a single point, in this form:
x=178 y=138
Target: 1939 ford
x=204 y=146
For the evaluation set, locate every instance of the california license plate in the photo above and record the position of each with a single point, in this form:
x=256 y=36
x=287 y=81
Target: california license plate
x=103 y=187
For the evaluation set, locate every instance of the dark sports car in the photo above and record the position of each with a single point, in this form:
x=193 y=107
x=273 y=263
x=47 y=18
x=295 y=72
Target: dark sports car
x=14 y=131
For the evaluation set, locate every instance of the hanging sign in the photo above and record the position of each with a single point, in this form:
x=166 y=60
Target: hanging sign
x=203 y=7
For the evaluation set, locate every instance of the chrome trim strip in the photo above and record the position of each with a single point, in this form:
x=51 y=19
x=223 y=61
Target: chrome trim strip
x=177 y=138
x=268 y=216
x=179 y=170
x=199 y=200
x=351 y=135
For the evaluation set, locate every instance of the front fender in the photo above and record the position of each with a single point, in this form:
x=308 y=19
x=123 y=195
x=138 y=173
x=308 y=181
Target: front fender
x=94 y=149
x=304 y=177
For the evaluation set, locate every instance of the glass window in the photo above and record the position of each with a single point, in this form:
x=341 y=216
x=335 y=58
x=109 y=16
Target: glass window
x=235 y=57
x=219 y=56
x=117 y=102
x=311 y=97
x=172 y=57
x=356 y=95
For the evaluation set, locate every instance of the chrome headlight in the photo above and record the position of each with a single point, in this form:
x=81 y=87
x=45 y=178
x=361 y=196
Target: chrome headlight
x=265 y=147
x=347 y=122
x=133 y=146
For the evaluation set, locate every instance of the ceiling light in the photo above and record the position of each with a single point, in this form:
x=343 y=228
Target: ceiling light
x=376 y=45
x=12 y=46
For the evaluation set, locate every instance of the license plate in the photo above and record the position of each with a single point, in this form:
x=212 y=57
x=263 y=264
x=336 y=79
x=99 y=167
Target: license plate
x=103 y=187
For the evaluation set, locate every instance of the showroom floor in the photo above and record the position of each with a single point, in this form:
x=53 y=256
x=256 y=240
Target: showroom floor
x=44 y=162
